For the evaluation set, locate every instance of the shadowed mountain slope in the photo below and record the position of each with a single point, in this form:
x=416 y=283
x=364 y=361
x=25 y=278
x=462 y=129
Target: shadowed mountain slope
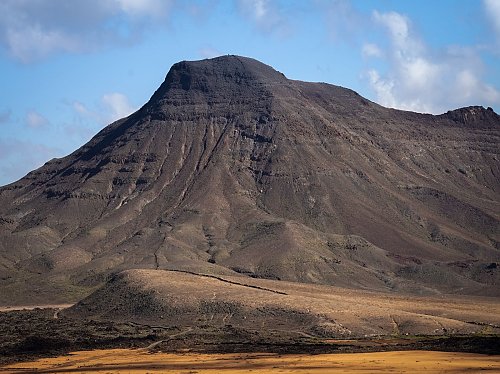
x=233 y=168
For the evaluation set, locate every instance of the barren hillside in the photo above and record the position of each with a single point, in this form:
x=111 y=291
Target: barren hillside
x=231 y=168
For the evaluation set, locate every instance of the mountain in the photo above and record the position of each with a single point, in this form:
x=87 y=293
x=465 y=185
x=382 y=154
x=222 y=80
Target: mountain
x=231 y=168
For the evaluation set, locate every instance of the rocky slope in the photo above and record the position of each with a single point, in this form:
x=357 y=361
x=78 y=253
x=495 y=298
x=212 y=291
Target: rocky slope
x=233 y=168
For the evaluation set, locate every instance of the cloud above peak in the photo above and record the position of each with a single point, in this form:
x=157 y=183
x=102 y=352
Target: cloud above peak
x=397 y=24
x=111 y=107
x=31 y=30
x=493 y=12
x=35 y=120
x=257 y=9
x=116 y=106
x=425 y=80
x=266 y=15
x=150 y=8
x=371 y=50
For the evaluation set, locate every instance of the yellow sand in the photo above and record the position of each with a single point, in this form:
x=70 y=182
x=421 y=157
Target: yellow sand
x=140 y=361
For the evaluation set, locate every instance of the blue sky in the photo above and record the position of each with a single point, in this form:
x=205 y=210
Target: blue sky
x=68 y=68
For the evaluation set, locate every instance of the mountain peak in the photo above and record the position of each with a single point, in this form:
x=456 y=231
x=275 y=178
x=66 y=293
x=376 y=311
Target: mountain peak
x=225 y=75
x=474 y=116
x=233 y=169
x=229 y=66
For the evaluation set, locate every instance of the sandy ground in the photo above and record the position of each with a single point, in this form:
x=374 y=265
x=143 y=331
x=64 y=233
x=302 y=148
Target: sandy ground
x=141 y=361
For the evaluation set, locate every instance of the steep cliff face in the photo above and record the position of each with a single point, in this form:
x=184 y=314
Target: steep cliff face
x=231 y=167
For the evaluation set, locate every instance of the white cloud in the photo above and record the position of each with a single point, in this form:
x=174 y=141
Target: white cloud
x=467 y=83
x=152 y=8
x=345 y=23
x=86 y=122
x=209 y=52
x=81 y=109
x=257 y=9
x=386 y=91
x=112 y=106
x=35 y=120
x=266 y=15
x=383 y=88
x=420 y=73
x=89 y=120
x=468 y=86
x=116 y=106
x=493 y=12
x=421 y=80
x=31 y=30
x=397 y=24
x=371 y=50
x=33 y=42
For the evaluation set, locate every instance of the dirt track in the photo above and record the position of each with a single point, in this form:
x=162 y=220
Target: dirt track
x=140 y=361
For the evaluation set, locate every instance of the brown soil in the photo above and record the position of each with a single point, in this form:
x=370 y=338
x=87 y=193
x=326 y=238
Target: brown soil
x=31 y=334
x=141 y=361
x=173 y=298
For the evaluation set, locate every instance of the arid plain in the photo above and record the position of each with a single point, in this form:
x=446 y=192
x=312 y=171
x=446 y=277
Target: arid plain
x=139 y=361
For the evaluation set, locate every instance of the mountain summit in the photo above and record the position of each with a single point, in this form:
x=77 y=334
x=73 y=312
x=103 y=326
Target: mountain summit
x=218 y=75
x=233 y=168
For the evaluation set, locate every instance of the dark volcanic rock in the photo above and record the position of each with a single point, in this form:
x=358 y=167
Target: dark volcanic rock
x=475 y=116
x=231 y=167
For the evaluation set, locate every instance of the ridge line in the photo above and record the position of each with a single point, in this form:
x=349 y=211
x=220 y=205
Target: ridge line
x=227 y=281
